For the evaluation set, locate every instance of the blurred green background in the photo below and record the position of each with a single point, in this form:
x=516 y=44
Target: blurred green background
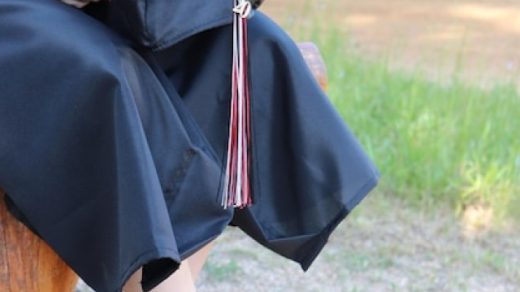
x=440 y=135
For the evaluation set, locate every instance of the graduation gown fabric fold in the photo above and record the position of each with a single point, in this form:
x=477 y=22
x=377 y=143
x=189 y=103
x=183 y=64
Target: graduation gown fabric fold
x=114 y=130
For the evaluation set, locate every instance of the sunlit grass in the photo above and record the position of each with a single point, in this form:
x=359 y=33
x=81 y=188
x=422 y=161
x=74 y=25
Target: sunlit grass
x=450 y=142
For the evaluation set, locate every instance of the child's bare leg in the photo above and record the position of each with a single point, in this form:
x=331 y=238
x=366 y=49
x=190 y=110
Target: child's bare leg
x=180 y=281
x=198 y=259
x=134 y=283
x=183 y=280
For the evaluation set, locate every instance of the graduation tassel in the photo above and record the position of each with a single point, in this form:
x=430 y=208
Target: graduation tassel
x=237 y=187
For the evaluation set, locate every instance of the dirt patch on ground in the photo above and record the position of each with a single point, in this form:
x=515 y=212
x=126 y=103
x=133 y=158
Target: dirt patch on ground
x=478 y=38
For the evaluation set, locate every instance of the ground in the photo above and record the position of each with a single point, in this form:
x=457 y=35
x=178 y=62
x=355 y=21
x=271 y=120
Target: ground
x=385 y=246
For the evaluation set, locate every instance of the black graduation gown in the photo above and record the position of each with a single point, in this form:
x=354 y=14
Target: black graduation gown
x=113 y=135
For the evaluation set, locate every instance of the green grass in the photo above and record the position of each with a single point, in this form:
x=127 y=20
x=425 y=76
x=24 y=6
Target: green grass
x=450 y=142
x=222 y=271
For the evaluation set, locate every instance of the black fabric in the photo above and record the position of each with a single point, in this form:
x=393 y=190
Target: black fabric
x=154 y=272
x=112 y=150
x=257 y=3
x=157 y=24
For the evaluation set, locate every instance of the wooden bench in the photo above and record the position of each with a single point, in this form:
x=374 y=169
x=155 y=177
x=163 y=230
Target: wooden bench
x=28 y=264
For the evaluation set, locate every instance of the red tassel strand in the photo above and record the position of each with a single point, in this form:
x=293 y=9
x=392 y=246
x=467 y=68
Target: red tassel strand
x=237 y=187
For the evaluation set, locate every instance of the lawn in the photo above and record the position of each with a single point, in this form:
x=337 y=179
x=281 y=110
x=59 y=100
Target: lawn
x=435 y=143
x=451 y=139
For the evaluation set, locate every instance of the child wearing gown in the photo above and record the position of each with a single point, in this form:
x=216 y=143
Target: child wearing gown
x=114 y=121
